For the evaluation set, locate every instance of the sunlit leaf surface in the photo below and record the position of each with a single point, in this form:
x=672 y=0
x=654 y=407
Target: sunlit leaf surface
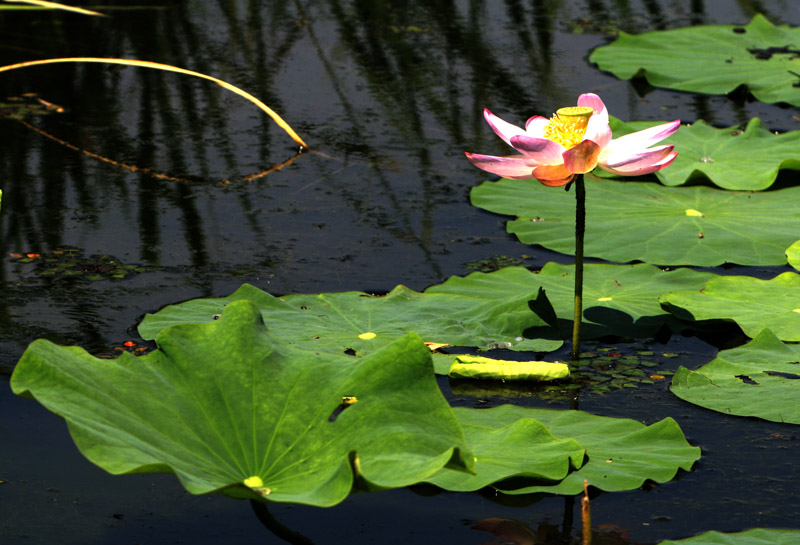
x=360 y=323
x=229 y=407
x=627 y=221
x=621 y=453
x=744 y=160
x=793 y=255
x=752 y=303
x=758 y=379
x=713 y=59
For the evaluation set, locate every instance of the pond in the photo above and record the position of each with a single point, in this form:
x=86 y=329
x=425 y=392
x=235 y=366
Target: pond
x=147 y=188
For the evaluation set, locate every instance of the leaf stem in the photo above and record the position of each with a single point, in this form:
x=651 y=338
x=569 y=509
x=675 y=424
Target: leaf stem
x=580 y=227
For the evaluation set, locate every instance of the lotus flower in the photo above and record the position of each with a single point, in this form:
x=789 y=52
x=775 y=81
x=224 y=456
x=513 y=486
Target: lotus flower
x=575 y=141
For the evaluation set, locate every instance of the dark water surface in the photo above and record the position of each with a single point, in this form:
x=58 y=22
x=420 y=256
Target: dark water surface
x=388 y=94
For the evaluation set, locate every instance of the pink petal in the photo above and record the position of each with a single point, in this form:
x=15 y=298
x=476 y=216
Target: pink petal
x=644 y=162
x=503 y=129
x=597 y=130
x=535 y=126
x=540 y=150
x=593 y=101
x=637 y=141
x=553 y=175
x=516 y=167
x=582 y=158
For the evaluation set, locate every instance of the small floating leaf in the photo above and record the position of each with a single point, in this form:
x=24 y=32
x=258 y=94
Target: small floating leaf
x=752 y=303
x=760 y=379
x=639 y=452
x=626 y=296
x=755 y=536
x=758 y=55
x=767 y=153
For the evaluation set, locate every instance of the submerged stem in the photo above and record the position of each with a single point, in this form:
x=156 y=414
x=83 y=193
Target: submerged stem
x=580 y=227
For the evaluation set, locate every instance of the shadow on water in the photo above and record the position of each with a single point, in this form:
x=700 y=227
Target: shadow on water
x=388 y=95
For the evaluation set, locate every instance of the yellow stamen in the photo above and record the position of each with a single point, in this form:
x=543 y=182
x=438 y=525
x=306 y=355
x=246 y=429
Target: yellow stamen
x=568 y=126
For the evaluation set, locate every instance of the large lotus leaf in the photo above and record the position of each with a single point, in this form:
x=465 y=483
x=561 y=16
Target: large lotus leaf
x=620 y=300
x=746 y=160
x=711 y=59
x=229 y=404
x=361 y=323
x=518 y=447
x=628 y=221
x=758 y=379
x=756 y=536
x=622 y=453
x=752 y=303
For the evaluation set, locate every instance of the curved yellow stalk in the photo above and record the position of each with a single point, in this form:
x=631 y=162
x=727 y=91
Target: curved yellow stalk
x=166 y=67
x=54 y=5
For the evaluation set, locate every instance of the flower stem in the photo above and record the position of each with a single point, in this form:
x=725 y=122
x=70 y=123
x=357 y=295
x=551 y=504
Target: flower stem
x=580 y=227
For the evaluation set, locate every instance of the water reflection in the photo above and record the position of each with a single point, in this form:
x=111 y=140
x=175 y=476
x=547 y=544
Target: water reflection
x=389 y=94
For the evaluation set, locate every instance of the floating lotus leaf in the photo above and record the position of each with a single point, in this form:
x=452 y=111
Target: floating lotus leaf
x=793 y=255
x=628 y=221
x=622 y=454
x=756 y=536
x=752 y=303
x=230 y=407
x=716 y=154
x=620 y=300
x=758 y=379
x=713 y=59
x=361 y=323
x=517 y=447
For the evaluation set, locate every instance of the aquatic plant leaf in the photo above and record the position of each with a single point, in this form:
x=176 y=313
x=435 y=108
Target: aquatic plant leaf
x=627 y=221
x=518 y=447
x=714 y=59
x=619 y=300
x=622 y=453
x=228 y=406
x=478 y=367
x=755 y=536
x=761 y=379
x=793 y=255
x=716 y=154
x=360 y=323
x=752 y=303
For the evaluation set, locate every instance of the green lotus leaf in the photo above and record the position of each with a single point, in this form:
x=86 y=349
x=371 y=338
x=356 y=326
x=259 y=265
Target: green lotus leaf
x=628 y=221
x=361 y=323
x=518 y=447
x=619 y=300
x=713 y=59
x=478 y=367
x=622 y=453
x=752 y=303
x=716 y=154
x=793 y=255
x=756 y=536
x=758 y=379
x=228 y=406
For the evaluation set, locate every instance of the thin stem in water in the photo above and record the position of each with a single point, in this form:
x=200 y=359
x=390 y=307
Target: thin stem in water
x=580 y=227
